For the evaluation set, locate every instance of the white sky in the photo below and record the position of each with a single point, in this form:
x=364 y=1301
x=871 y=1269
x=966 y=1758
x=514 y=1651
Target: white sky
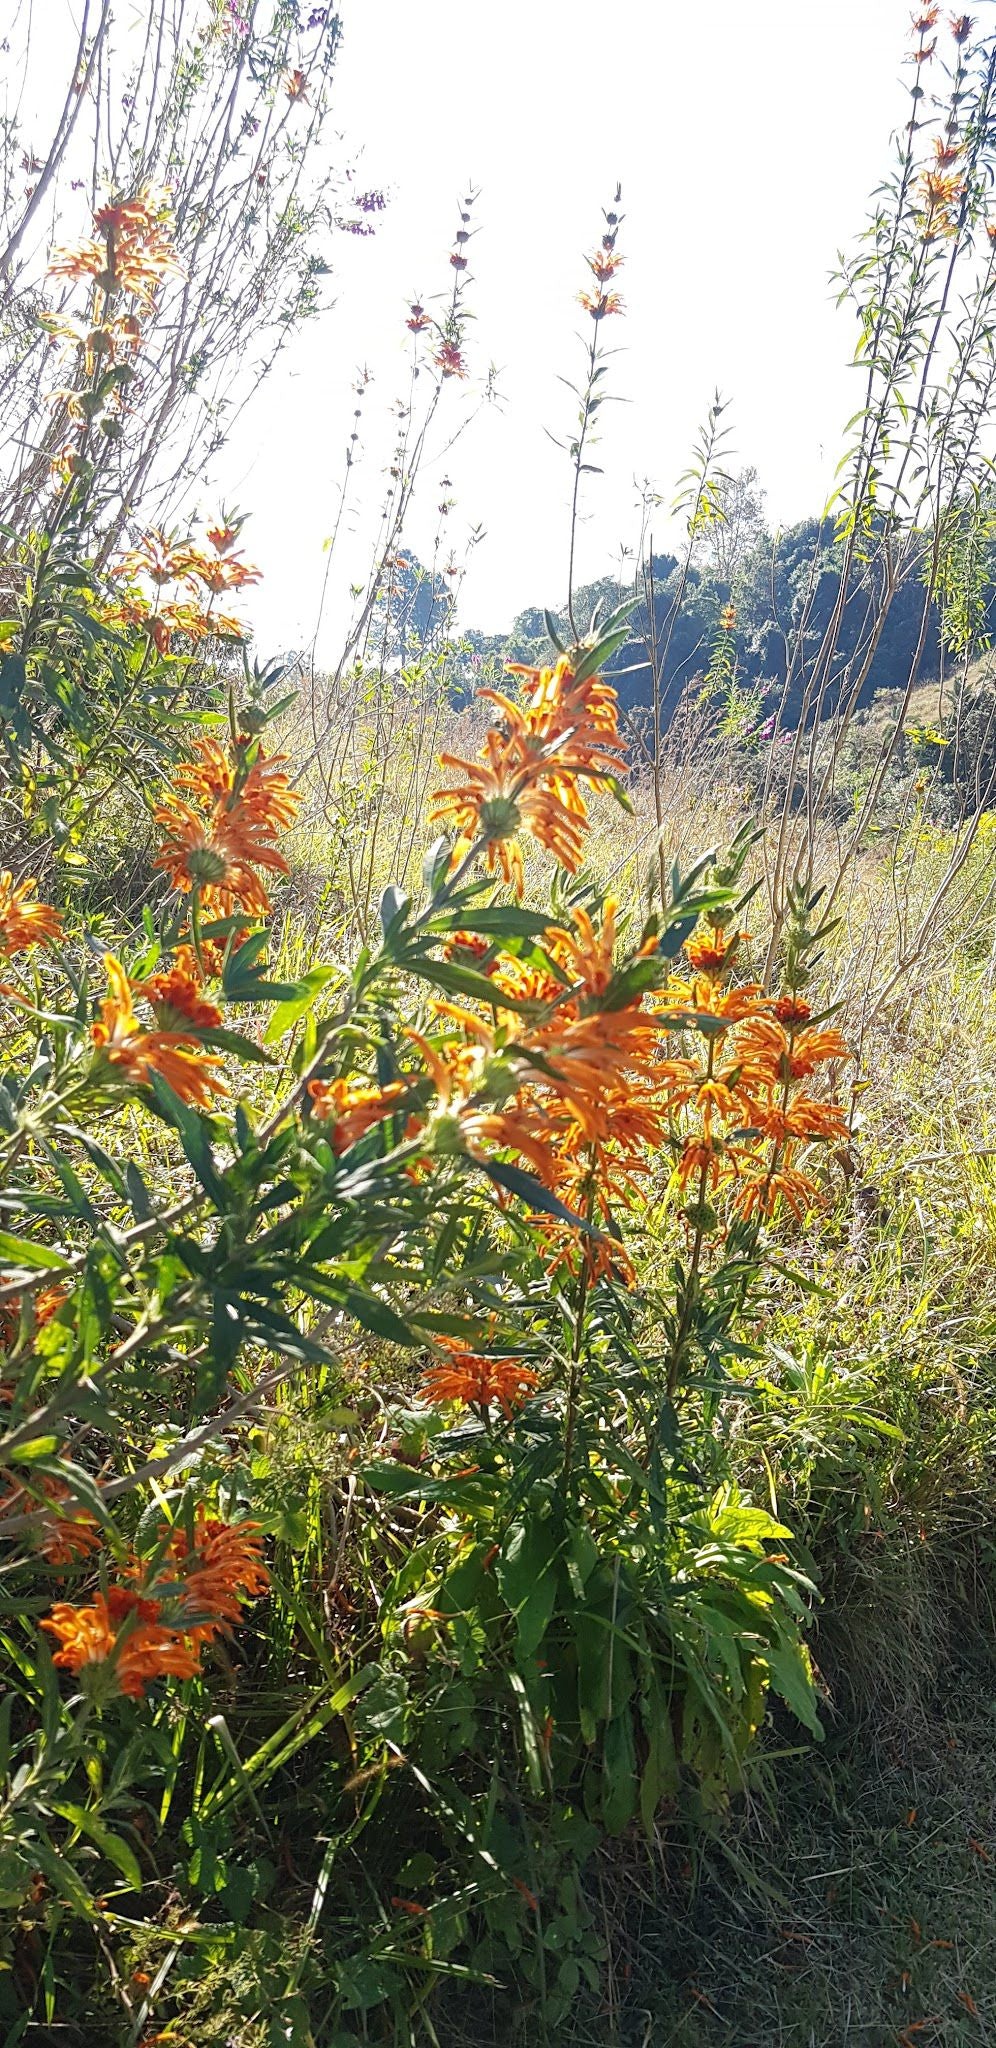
x=747 y=134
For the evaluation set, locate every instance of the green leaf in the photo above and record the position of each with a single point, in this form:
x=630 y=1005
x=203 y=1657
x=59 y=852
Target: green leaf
x=392 y=908
x=530 y=1732
x=496 y=920
x=436 y=865
x=13 y=682
x=194 y=1139
x=619 y=1778
x=373 y=1314
x=532 y=1191
x=659 y=1779
x=287 y=1014
x=791 y=1679
x=141 y=1201
x=236 y=1042
x=459 y=981
x=20 y=1251
x=113 y=1846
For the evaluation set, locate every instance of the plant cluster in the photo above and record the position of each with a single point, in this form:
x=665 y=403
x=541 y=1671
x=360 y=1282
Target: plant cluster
x=394 y=1309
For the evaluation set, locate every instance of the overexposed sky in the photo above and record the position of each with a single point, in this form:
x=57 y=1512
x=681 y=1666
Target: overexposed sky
x=747 y=135
x=747 y=138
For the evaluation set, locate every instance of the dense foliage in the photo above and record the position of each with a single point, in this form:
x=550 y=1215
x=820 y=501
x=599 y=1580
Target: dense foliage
x=447 y=1353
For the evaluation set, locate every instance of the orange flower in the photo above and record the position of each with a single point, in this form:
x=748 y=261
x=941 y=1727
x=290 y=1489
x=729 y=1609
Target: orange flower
x=217 y=841
x=728 y=618
x=940 y=192
x=791 y=1009
x=564 y=1248
x=600 y=304
x=199 y=625
x=727 y=1006
x=224 y=536
x=159 y=556
x=262 y=792
x=24 y=920
x=803 y=1118
x=502 y=795
x=296 y=85
x=701 y=1159
x=177 y=995
x=60 y=1537
x=137 y=1653
x=478 y=1382
x=961 y=27
x=135 y=1053
x=530 y=775
x=134 y=253
x=761 y=1193
x=712 y=951
x=222 y=572
x=586 y=954
x=84 y=1634
x=220 y=1571
x=352 y=1110
x=449 y=359
x=604 y=263
x=43 y=1305
x=790 y=1059
x=468 y=948
x=195 y=856
x=562 y=708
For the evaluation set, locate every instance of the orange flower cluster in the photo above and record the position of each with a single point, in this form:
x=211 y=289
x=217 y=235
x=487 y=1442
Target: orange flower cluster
x=534 y=768
x=941 y=193
x=143 y=1628
x=164 y=623
x=61 y=1537
x=752 y=1115
x=222 y=818
x=449 y=358
x=122 y=1631
x=44 y=1305
x=133 y=1052
x=222 y=821
x=587 y=1092
x=351 y=1109
x=603 y=302
x=165 y=559
x=130 y=250
x=601 y=305
x=582 y=1074
x=477 y=1382
x=24 y=920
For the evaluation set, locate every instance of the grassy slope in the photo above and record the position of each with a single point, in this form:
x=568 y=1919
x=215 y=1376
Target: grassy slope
x=854 y=1905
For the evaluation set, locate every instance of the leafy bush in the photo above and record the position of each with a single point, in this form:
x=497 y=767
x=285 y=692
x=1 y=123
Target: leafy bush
x=416 y=1473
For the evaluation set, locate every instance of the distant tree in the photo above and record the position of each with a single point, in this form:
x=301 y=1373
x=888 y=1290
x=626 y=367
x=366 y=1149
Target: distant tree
x=419 y=604
x=728 y=543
